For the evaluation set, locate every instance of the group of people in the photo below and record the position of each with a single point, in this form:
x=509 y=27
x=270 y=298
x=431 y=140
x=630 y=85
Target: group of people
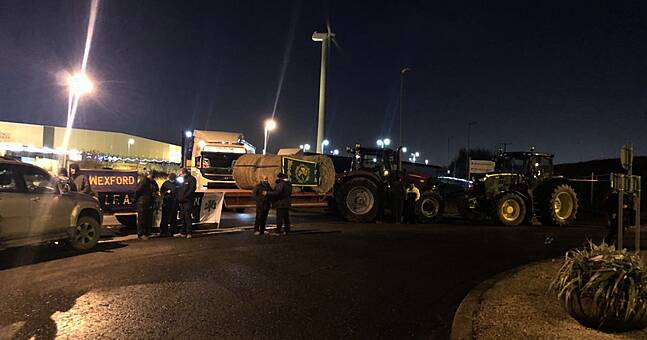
x=280 y=199
x=403 y=202
x=177 y=195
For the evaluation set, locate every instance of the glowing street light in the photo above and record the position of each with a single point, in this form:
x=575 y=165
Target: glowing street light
x=380 y=143
x=417 y=154
x=387 y=141
x=324 y=144
x=131 y=142
x=188 y=134
x=270 y=125
x=79 y=84
x=301 y=147
x=306 y=147
x=426 y=162
x=335 y=152
x=404 y=149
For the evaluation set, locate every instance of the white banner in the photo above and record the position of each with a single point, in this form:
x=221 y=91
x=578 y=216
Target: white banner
x=211 y=207
x=481 y=167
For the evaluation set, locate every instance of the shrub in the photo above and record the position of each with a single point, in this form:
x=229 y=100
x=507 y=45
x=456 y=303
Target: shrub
x=603 y=288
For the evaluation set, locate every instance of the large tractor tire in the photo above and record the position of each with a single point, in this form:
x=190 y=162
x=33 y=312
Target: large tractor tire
x=511 y=209
x=357 y=200
x=429 y=208
x=559 y=207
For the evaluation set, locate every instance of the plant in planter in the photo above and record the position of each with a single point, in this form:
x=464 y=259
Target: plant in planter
x=603 y=288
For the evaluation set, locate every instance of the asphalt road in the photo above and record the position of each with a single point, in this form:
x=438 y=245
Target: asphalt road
x=328 y=279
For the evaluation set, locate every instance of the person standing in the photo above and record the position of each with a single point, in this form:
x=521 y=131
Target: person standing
x=412 y=196
x=144 y=203
x=169 y=206
x=67 y=183
x=397 y=199
x=80 y=180
x=262 y=205
x=281 y=198
x=185 y=194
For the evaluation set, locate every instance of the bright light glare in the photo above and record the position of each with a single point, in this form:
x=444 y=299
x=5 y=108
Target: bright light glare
x=335 y=152
x=301 y=146
x=188 y=134
x=417 y=154
x=404 y=149
x=380 y=143
x=325 y=142
x=387 y=141
x=79 y=84
x=306 y=147
x=426 y=162
x=270 y=124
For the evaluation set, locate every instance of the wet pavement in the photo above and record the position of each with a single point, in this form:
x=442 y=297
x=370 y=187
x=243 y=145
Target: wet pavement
x=328 y=279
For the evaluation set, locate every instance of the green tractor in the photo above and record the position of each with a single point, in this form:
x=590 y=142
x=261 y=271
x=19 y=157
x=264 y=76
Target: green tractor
x=521 y=187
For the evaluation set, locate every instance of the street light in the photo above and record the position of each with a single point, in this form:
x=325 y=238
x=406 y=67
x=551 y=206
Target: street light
x=324 y=144
x=402 y=73
x=426 y=162
x=188 y=134
x=335 y=152
x=387 y=141
x=380 y=143
x=306 y=147
x=417 y=154
x=130 y=143
x=270 y=125
x=79 y=84
x=404 y=149
x=467 y=155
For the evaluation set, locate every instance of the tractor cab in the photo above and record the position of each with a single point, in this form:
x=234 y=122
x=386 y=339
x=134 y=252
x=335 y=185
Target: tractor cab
x=535 y=166
x=384 y=163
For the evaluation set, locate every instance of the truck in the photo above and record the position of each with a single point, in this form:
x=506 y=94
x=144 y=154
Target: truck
x=212 y=154
x=522 y=186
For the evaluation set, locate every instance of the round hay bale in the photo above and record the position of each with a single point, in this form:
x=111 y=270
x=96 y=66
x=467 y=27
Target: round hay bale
x=327 y=174
x=250 y=169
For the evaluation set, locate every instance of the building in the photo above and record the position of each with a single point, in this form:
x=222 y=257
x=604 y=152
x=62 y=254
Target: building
x=43 y=145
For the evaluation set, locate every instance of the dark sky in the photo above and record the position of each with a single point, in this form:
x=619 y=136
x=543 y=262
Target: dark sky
x=568 y=77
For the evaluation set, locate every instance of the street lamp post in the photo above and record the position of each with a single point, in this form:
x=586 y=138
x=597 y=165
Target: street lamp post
x=270 y=125
x=402 y=73
x=467 y=155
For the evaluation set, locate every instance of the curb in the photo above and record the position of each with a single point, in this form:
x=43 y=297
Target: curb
x=462 y=325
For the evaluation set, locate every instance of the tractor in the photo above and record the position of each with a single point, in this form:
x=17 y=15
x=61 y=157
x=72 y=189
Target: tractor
x=363 y=192
x=521 y=187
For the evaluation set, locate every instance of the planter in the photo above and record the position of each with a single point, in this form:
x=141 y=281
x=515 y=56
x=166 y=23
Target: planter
x=588 y=314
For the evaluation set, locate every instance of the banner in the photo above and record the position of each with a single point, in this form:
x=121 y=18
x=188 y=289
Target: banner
x=481 y=167
x=207 y=207
x=111 y=180
x=301 y=173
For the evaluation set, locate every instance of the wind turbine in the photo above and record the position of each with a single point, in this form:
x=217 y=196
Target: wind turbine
x=325 y=39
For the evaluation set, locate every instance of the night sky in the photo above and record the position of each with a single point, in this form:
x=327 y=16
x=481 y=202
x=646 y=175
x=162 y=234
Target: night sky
x=568 y=77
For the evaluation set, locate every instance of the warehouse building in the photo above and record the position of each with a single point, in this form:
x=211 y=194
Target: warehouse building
x=43 y=145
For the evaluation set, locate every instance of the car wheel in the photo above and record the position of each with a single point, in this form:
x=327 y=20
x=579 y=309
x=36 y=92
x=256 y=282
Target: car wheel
x=86 y=234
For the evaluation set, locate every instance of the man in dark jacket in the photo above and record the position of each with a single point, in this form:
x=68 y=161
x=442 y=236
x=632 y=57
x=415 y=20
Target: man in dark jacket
x=281 y=198
x=169 y=206
x=144 y=203
x=262 y=205
x=185 y=193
